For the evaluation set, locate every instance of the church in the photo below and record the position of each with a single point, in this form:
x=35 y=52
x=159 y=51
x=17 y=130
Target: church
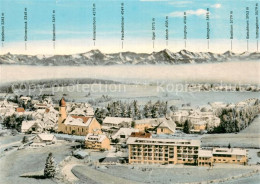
x=76 y=125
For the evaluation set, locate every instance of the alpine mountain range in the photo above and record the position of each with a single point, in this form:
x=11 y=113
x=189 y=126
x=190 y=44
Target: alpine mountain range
x=96 y=57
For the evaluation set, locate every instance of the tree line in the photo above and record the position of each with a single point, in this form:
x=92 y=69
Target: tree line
x=132 y=110
x=235 y=119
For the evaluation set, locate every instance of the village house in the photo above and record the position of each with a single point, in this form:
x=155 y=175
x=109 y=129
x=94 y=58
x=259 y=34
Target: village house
x=180 y=116
x=7 y=108
x=80 y=109
x=49 y=124
x=25 y=99
x=217 y=105
x=76 y=125
x=222 y=155
x=8 y=104
x=141 y=134
x=123 y=133
x=200 y=119
x=248 y=102
x=41 y=106
x=19 y=110
x=32 y=126
x=199 y=126
x=97 y=141
x=116 y=123
x=43 y=139
x=158 y=125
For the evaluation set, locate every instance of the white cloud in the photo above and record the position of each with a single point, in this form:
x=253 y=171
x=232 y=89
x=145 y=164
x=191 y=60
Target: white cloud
x=216 y=6
x=180 y=3
x=198 y=12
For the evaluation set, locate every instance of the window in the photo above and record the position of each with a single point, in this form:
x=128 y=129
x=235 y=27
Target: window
x=161 y=129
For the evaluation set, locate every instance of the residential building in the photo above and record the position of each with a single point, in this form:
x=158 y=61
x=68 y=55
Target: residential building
x=123 y=133
x=199 y=126
x=141 y=134
x=31 y=127
x=180 y=116
x=43 y=139
x=222 y=155
x=116 y=123
x=25 y=99
x=83 y=111
x=162 y=151
x=41 y=106
x=20 y=110
x=158 y=125
x=216 y=105
x=97 y=141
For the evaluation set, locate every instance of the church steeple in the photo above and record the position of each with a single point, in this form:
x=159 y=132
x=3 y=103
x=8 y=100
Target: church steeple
x=62 y=114
x=62 y=102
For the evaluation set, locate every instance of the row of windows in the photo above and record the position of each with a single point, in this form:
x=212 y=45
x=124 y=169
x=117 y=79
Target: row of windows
x=79 y=129
x=224 y=160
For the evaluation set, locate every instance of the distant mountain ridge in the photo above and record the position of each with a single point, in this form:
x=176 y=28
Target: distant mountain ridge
x=96 y=57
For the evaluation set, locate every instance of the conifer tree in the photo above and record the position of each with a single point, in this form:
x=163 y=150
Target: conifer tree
x=129 y=112
x=136 y=111
x=50 y=167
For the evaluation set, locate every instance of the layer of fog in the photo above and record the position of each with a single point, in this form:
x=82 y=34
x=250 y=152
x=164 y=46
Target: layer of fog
x=228 y=72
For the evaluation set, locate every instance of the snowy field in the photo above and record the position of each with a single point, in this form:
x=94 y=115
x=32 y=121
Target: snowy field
x=247 y=138
x=15 y=163
x=161 y=174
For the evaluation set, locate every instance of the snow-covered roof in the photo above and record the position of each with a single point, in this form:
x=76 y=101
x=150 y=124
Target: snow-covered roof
x=124 y=131
x=162 y=122
x=218 y=104
x=117 y=120
x=181 y=113
x=78 y=111
x=144 y=121
x=168 y=124
x=41 y=111
x=46 y=137
x=231 y=151
x=95 y=137
x=200 y=123
x=28 y=124
x=25 y=98
x=205 y=153
x=78 y=120
x=195 y=115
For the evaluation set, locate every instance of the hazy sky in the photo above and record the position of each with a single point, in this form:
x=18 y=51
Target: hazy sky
x=74 y=25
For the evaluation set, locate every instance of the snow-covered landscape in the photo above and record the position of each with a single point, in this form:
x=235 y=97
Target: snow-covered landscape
x=198 y=94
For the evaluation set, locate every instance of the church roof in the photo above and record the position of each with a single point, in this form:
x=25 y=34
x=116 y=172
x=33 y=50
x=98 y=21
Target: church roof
x=62 y=102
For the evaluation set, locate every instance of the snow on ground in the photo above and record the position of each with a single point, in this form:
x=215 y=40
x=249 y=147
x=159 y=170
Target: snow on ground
x=248 y=138
x=159 y=174
x=248 y=180
x=18 y=162
x=84 y=173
